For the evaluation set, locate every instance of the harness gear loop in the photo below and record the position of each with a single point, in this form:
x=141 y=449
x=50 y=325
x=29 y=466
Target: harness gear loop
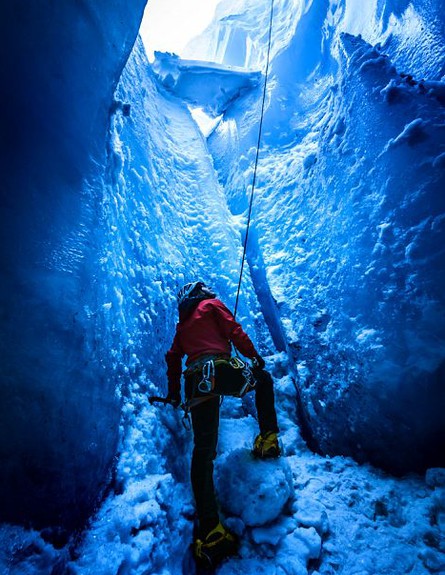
x=266 y=73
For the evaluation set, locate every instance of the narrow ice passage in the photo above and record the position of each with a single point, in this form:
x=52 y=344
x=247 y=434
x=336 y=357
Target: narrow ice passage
x=112 y=199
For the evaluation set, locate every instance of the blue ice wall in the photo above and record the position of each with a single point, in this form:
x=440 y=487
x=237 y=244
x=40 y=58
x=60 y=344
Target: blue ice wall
x=349 y=214
x=110 y=202
x=166 y=222
x=59 y=412
x=166 y=217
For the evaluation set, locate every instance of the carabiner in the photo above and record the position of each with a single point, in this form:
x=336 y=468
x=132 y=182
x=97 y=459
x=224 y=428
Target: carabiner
x=237 y=363
x=207 y=382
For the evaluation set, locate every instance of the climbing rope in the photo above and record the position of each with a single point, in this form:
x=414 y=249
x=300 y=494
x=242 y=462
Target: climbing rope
x=256 y=159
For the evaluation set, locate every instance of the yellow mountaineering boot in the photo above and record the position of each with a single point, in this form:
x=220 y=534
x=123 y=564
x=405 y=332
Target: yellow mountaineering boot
x=266 y=446
x=215 y=546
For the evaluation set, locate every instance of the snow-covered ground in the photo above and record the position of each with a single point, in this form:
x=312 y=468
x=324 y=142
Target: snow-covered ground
x=303 y=513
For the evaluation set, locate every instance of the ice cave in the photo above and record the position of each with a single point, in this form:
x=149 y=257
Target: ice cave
x=114 y=195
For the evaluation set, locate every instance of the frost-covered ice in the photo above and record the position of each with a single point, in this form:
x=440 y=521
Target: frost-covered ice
x=209 y=86
x=113 y=203
x=256 y=493
x=349 y=209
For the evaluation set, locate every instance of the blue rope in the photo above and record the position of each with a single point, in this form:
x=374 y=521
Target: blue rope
x=256 y=159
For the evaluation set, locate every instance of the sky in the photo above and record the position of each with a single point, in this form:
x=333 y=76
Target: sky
x=168 y=25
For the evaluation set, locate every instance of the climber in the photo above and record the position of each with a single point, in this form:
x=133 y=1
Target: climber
x=204 y=334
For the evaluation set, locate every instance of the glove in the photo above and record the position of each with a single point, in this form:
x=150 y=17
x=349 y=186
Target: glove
x=259 y=362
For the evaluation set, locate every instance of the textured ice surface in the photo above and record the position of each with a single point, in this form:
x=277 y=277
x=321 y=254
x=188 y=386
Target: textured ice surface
x=59 y=411
x=348 y=220
x=347 y=240
x=211 y=87
x=255 y=491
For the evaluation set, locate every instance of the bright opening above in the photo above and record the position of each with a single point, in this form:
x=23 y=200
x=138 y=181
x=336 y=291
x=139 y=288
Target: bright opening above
x=168 y=25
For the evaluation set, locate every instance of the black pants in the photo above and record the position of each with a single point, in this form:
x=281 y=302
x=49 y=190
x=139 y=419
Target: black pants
x=205 y=422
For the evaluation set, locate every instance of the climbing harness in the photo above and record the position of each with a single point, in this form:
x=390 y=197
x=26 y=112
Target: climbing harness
x=207 y=386
x=256 y=158
x=207 y=383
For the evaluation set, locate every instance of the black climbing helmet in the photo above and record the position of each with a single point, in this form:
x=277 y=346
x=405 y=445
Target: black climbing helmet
x=194 y=289
x=191 y=294
x=187 y=290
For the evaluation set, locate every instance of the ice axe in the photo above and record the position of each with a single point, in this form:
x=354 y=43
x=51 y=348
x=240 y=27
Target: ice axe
x=186 y=407
x=164 y=400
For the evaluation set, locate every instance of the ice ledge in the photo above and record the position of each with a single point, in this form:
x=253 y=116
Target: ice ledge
x=210 y=86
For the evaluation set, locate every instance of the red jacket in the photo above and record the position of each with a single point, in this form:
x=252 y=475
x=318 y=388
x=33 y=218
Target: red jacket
x=209 y=329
